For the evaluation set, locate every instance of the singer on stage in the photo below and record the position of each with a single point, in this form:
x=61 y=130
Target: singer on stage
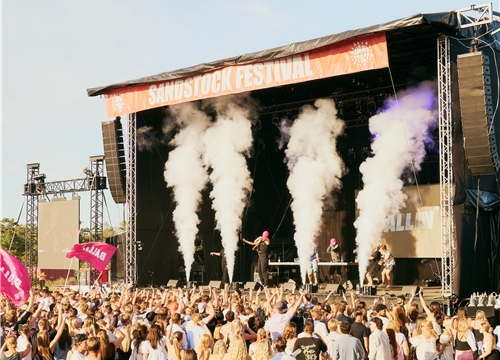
x=262 y=245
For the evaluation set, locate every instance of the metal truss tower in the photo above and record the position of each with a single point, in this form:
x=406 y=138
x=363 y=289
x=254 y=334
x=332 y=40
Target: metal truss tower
x=446 y=166
x=36 y=186
x=33 y=180
x=131 y=240
x=96 y=183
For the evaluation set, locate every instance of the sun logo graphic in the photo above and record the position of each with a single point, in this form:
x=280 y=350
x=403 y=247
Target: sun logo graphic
x=361 y=53
x=118 y=102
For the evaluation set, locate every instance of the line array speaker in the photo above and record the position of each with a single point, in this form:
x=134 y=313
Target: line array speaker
x=114 y=152
x=476 y=105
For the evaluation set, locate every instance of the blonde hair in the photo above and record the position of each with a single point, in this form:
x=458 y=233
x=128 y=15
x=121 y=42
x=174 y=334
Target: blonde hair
x=480 y=315
x=263 y=350
x=235 y=327
x=485 y=325
x=394 y=325
x=333 y=325
x=462 y=327
x=290 y=331
x=204 y=342
x=427 y=325
x=219 y=348
x=237 y=348
x=11 y=343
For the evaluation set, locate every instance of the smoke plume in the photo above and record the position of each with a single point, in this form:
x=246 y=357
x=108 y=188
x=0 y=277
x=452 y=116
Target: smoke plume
x=186 y=174
x=400 y=132
x=227 y=143
x=315 y=171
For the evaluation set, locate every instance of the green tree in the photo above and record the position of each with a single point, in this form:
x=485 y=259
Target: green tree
x=13 y=237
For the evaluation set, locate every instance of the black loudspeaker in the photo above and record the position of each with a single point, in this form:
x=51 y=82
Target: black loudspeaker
x=172 y=283
x=252 y=285
x=118 y=260
x=215 y=284
x=489 y=311
x=476 y=105
x=114 y=152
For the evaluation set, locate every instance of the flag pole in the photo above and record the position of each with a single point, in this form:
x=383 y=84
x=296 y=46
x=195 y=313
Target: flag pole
x=96 y=280
x=67 y=275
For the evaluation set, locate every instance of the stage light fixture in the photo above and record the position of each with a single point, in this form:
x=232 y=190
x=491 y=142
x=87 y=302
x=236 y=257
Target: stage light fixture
x=365 y=152
x=88 y=172
x=275 y=120
x=351 y=154
x=39 y=177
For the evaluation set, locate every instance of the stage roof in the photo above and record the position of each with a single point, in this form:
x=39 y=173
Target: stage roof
x=445 y=21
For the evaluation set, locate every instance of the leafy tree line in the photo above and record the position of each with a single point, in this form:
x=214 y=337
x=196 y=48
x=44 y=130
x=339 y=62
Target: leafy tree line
x=13 y=236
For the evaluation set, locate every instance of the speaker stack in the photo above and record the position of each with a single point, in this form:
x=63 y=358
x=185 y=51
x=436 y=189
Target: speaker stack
x=114 y=152
x=477 y=109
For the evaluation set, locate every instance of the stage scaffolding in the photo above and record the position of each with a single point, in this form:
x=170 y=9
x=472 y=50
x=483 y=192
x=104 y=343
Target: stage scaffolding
x=131 y=239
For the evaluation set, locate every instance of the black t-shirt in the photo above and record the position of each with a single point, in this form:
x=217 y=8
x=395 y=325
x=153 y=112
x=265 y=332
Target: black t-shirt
x=311 y=348
x=360 y=331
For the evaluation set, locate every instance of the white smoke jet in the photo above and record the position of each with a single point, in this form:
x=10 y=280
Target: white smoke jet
x=400 y=135
x=315 y=171
x=227 y=143
x=186 y=175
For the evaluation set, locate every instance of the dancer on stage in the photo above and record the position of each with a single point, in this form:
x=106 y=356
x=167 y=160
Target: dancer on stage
x=388 y=263
x=373 y=265
x=313 y=266
x=223 y=264
x=262 y=244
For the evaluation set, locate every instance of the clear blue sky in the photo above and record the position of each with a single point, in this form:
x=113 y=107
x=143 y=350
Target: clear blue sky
x=52 y=51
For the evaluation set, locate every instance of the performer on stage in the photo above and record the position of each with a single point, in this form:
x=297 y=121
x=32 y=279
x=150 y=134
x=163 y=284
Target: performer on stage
x=262 y=244
x=313 y=266
x=388 y=263
x=225 y=274
x=373 y=265
x=334 y=250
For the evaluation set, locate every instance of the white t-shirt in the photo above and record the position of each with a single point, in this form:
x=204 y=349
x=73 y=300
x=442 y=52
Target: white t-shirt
x=497 y=333
x=22 y=344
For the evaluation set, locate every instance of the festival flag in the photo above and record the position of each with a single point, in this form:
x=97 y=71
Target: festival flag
x=14 y=278
x=97 y=254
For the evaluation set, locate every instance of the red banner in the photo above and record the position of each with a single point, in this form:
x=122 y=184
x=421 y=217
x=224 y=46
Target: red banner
x=349 y=56
x=97 y=254
x=14 y=278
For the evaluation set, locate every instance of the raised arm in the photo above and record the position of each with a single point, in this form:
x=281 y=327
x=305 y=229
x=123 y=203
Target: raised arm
x=293 y=309
x=60 y=327
x=424 y=305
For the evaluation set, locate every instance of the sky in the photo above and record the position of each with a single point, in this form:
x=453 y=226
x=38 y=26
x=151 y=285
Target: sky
x=53 y=51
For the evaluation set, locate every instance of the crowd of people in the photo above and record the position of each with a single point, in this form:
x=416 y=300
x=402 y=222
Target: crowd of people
x=222 y=324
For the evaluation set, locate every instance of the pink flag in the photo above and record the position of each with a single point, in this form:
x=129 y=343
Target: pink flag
x=97 y=254
x=14 y=278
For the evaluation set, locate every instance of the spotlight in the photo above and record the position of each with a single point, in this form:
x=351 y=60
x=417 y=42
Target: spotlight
x=371 y=107
x=351 y=154
x=39 y=177
x=365 y=152
x=340 y=107
x=88 y=172
x=139 y=245
x=275 y=120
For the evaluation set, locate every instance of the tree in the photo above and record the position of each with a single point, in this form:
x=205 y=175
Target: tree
x=13 y=237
